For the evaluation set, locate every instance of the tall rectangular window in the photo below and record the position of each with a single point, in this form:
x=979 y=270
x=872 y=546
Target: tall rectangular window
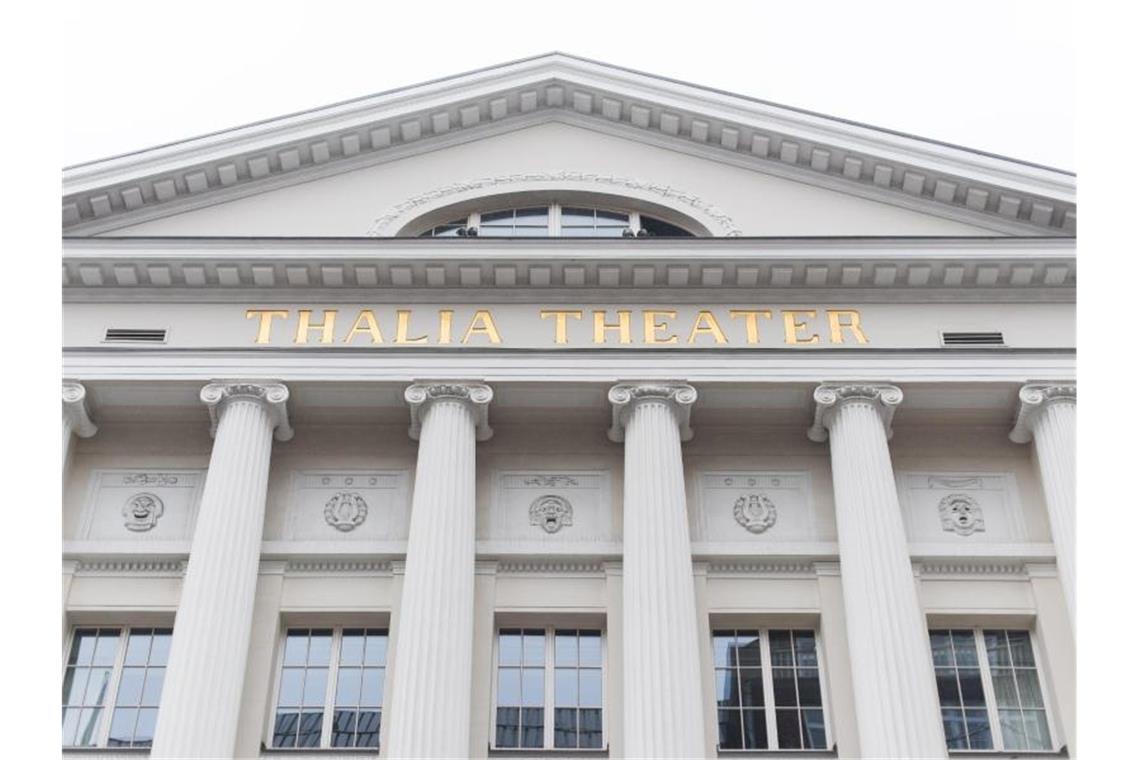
x=1000 y=690
x=112 y=684
x=768 y=689
x=331 y=688
x=548 y=688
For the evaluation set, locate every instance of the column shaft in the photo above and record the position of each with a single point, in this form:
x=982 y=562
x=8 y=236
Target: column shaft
x=661 y=661
x=896 y=700
x=1054 y=443
x=430 y=705
x=201 y=698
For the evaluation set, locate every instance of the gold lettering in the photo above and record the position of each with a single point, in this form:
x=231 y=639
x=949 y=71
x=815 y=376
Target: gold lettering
x=403 y=316
x=706 y=324
x=652 y=326
x=365 y=324
x=560 y=321
x=266 y=322
x=622 y=326
x=751 y=322
x=834 y=317
x=304 y=326
x=486 y=327
x=792 y=327
x=445 y=326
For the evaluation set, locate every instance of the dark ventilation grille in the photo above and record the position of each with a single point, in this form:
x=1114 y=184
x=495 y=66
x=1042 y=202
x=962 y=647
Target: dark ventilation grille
x=128 y=335
x=971 y=339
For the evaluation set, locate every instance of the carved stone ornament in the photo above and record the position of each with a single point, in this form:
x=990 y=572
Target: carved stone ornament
x=150 y=479
x=75 y=409
x=1033 y=399
x=830 y=397
x=961 y=514
x=218 y=394
x=625 y=397
x=476 y=395
x=551 y=513
x=141 y=512
x=755 y=512
x=346 y=511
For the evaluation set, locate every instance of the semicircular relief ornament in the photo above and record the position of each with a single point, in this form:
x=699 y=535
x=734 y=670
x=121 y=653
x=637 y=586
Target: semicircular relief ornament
x=346 y=511
x=961 y=514
x=141 y=512
x=755 y=512
x=551 y=513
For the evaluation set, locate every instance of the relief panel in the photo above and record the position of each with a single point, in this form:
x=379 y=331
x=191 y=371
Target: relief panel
x=143 y=505
x=348 y=506
x=552 y=506
x=960 y=507
x=757 y=506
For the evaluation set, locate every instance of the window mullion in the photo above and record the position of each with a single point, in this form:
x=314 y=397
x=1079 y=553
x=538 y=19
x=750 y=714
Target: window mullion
x=330 y=688
x=548 y=689
x=635 y=221
x=113 y=688
x=554 y=228
x=769 y=690
x=996 y=737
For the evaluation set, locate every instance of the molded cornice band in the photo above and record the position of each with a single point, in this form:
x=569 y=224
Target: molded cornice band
x=830 y=397
x=477 y=396
x=1033 y=399
x=624 y=397
x=272 y=395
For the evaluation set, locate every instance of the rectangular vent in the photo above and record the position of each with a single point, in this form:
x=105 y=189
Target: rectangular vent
x=131 y=335
x=971 y=339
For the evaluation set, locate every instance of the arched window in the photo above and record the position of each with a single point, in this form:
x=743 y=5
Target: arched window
x=553 y=219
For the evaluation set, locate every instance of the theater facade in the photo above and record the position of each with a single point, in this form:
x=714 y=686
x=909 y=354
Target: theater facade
x=556 y=409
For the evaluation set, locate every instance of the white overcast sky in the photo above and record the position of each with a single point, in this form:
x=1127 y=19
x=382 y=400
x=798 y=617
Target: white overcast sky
x=995 y=75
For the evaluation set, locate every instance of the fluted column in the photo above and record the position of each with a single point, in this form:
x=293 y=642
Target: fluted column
x=661 y=677
x=75 y=418
x=201 y=699
x=1047 y=415
x=896 y=702
x=430 y=704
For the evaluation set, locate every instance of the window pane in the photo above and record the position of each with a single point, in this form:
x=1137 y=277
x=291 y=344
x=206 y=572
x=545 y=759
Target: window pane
x=965 y=651
x=352 y=648
x=372 y=687
x=940 y=648
x=788 y=729
x=1012 y=729
x=577 y=216
x=97 y=684
x=954 y=726
x=368 y=728
x=138 y=647
x=978 y=729
x=728 y=722
x=566 y=687
x=507 y=727
x=510 y=648
x=160 y=646
x=285 y=729
x=122 y=728
x=532 y=687
x=320 y=647
x=566 y=648
x=1020 y=650
x=590 y=687
x=658 y=228
x=727 y=695
x=534 y=648
x=144 y=727
x=532 y=216
x=752 y=687
x=74 y=686
x=748 y=648
x=510 y=686
x=970 y=682
x=784 y=686
x=1005 y=693
x=376 y=649
x=755 y=730
x=565 y=727
x=348 y=687
x=805 y=649
x=809 y=691
x=291 y=681
x=814 y=733
x=723 y=648
x=316 y=681
x=996 y=649
x=309 y=729
x=590 y=648
x=70 y=722
x=296 y=647
x=947 y=680
x=530 y=732
x=1036 y=730
x=1029 y=689
x=106 y=648
x=88 y=730
x=612 y=219
x=498 y=217
x=152 y=692
x=130 y=686
x=780 y=642
x=590 y=728
x=344 y=728
x=82 y=647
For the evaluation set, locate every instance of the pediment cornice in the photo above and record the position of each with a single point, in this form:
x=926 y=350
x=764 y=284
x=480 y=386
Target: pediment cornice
x=997 y=193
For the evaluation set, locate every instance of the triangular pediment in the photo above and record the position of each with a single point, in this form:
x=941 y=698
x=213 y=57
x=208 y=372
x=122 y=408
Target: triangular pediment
x=447 y=140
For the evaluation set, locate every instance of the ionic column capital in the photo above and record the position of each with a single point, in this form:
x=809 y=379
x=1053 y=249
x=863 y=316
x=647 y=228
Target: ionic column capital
x=831 y=397
x=477 y=396
x=272 y=395
x=75 y=409
x=1033 y=399
x=625 y=397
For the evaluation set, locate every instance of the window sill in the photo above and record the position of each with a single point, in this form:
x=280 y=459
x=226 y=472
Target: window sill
x=774 y=753
x=547 y=753
x=1011 y=754
x=370 y=751
x=108 y=750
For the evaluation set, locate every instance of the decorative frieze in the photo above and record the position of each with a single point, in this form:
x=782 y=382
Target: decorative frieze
x=331 y=505
x=805 y=568
x=961 y=507
x=551 y=506
x=142 y=566
x=334 y=566
x=141 y=505
x=542 y=566
x=757 y=506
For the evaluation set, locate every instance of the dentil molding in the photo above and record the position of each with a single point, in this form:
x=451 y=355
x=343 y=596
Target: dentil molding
x=272 y=395
x=1033 y=399
x=75 y=409
x=830 y=397
x=624 y=397
x=477 y=396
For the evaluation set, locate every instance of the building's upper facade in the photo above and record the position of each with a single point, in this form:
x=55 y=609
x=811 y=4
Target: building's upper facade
x=733 y=427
